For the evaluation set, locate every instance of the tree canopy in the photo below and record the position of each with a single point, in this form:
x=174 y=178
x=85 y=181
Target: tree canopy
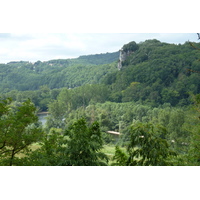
x=17 y=129
x=131 y=46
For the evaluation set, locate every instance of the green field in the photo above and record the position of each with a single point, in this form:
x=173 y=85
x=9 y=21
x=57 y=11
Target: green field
x=109 y=150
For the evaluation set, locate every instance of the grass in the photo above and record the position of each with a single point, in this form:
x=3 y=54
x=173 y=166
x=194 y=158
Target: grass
x=109 y=150
x=33 y=147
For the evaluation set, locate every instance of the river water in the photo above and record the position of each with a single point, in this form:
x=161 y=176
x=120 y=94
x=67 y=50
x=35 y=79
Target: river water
x=42 y=118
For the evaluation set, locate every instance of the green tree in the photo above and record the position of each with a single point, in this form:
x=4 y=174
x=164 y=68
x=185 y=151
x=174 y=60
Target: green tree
x=82 y=145
x=170 y=96
x=194 y=151
x=120 y=157
x=131 y=46
x=147 y=147
x=17 y=129
x=47 y=152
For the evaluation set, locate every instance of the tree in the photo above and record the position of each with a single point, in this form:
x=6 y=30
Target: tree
x=147 y=147
x=47 y=152
x=82 y=145
x=17 y=129
x=120 y=157
x=131 y=46
x=194 y=151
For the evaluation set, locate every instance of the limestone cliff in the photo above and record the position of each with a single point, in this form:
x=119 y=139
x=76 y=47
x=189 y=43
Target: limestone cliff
x=122 y=57
x=126 y=51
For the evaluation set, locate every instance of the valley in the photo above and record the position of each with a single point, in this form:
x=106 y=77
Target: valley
x=149 y=92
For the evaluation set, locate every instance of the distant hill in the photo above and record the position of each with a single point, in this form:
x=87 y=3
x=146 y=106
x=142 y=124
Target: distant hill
x=96 y=59
x=100 y=59
x=58 y=73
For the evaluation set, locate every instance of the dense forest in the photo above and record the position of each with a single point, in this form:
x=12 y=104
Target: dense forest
x=144 y=114
x=70 y=73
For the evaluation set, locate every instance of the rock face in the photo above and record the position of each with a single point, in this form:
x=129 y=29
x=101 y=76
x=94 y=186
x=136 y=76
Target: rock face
x=126 y=50
x=122 y=57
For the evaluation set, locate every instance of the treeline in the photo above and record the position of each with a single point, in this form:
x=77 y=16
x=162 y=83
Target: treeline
x=69 y=73
x=41 y=97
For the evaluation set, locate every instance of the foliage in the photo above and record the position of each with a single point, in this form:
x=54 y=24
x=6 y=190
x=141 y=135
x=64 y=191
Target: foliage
x=120 y=157
x=161 y=71
x=131 y=46
x=193 y=157
x=99 y=59
x=80 y=145
x=17 y=129
x=72 y=99
x=147 y=147
x=46 y=154
x=69 y=73
x=155 y=86
x=194 y=151
x=83 y=145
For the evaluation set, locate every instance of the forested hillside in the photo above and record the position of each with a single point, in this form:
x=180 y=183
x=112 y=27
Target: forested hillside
x=151 y=103
x=56 y=73
x=158 y=73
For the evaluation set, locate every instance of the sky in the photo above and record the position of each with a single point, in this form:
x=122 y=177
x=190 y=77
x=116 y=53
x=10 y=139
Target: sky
x=48 y=46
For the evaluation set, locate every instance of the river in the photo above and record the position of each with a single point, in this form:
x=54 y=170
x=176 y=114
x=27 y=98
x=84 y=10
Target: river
x=42 y=117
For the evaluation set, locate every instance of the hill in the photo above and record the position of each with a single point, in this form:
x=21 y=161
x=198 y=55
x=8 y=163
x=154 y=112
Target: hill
x=56 y=73
x=150 y=72
x=157 y=72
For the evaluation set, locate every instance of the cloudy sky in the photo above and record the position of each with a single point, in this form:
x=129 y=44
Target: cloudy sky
x=47 y=46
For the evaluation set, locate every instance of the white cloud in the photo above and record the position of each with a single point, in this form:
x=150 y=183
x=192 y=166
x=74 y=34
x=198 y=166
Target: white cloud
x=47 y=46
